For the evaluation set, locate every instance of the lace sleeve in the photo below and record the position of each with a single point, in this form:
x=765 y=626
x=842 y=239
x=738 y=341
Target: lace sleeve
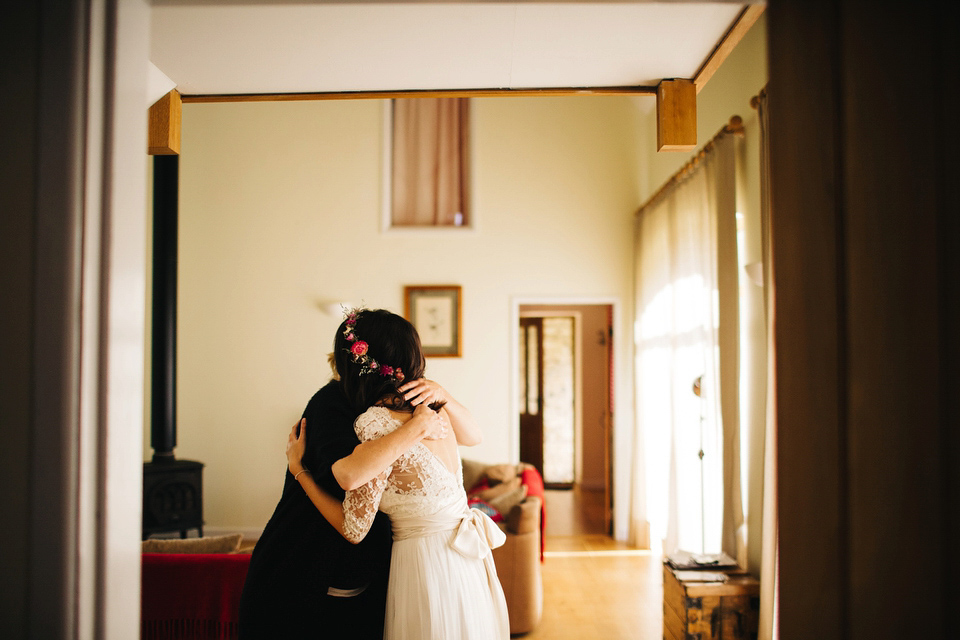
x=360 y=507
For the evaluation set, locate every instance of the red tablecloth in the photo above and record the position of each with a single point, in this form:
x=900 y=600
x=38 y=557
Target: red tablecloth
x=191 y=596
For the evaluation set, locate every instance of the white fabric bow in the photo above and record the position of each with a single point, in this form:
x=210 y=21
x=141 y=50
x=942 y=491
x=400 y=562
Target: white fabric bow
x=477 y=535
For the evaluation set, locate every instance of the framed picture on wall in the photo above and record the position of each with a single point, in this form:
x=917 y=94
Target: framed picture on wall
x=435 y=311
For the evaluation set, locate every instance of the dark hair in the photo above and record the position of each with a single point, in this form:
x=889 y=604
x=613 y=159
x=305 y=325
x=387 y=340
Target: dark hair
x=391 y=341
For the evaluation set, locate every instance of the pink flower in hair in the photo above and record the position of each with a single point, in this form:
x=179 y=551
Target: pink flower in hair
x=398 y=374
x=359 y=348
x=386 y=370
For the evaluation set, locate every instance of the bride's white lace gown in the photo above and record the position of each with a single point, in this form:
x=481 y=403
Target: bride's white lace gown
x=443 y=583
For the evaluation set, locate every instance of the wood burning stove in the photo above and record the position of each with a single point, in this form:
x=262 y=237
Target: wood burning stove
x=172 y=497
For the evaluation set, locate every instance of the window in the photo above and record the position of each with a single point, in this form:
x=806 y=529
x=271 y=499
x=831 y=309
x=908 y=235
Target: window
x=428 y=172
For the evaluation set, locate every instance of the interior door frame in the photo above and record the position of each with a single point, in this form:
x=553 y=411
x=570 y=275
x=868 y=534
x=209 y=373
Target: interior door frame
x=619 y=455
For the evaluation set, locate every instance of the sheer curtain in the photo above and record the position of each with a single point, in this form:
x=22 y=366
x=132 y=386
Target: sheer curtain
x=769 y=562
x=686 y=333
x=429 y=168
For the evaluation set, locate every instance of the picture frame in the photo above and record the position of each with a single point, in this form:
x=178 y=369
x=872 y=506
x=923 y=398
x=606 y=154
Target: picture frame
x=435 y=312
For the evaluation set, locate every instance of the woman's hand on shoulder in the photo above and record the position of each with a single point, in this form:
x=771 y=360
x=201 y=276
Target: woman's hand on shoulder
x=435 y=423
x=424 y=392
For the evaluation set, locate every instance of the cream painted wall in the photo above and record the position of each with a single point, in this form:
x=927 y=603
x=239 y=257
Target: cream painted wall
x=280 y=211
x=740 y=77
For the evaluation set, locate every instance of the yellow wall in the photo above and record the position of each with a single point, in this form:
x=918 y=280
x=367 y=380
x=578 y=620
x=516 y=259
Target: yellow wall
x=280 y=211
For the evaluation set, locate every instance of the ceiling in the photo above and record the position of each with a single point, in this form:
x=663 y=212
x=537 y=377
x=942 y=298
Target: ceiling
x=217 y=47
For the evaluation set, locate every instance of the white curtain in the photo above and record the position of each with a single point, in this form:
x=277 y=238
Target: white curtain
x=769 y=560
x=686 y=330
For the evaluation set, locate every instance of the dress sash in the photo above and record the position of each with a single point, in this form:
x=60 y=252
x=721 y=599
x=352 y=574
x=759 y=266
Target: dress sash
x=475 y=533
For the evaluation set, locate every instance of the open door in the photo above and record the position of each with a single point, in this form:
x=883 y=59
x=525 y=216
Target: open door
x=551 y=412
x=531 y=392
x=565 y=401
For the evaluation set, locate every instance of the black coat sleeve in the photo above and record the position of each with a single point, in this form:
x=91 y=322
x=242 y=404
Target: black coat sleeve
x=330 y=435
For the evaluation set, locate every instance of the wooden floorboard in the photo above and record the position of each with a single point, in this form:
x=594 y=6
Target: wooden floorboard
x=594 y=586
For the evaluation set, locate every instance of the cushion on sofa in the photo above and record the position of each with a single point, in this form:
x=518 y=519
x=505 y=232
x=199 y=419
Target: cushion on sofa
x=498 y=473
x=487 y=492
x=212 y=544
x=472 y=473
x=525 y=517
x=507 y=501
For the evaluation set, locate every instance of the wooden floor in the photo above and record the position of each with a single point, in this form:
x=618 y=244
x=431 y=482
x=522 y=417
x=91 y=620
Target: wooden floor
x=593 y=586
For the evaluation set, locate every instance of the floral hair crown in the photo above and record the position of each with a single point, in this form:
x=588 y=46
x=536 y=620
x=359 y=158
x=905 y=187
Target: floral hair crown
x=359 y=349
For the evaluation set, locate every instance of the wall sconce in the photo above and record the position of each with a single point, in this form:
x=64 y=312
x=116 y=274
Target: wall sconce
x=335 y=308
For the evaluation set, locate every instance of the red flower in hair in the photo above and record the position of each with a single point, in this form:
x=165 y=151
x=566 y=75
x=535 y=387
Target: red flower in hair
x=359 y=348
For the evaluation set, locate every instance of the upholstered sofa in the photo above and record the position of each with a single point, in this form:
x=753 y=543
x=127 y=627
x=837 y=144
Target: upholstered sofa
x=513 y=496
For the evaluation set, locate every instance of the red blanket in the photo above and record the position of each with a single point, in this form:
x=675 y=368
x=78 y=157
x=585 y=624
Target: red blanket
x=191 y=596
x=534 y=483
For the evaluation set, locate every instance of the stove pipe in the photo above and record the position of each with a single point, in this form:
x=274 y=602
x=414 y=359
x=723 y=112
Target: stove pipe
x=163 y=423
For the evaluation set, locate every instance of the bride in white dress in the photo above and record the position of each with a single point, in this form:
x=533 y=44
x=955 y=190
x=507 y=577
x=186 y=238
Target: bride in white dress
x=443 y=584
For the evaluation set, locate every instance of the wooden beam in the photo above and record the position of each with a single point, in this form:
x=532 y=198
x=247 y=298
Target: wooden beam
x=730 y=40
x=424 y=93
x=163 y=137
x=676 y=115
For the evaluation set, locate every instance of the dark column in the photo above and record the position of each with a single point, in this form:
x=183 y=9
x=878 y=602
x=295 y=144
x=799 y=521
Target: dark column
x=163 y=430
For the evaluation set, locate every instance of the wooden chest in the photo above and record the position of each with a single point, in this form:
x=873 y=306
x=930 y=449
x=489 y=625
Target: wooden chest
x=695 y=610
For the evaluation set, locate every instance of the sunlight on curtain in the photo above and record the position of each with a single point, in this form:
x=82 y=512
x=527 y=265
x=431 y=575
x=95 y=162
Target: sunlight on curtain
x=769 y=570
x=679 y=497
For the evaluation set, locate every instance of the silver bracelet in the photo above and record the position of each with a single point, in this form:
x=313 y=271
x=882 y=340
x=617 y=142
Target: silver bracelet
x=299 y=472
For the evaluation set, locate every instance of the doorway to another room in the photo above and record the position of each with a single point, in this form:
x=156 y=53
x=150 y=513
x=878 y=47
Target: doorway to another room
x=565 y=401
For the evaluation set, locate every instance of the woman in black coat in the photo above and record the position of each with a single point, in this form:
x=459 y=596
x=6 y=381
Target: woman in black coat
x=305 y=580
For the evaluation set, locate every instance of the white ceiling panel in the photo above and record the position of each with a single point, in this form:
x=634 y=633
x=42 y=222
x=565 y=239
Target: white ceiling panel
x=246 y=48
x=569 y=45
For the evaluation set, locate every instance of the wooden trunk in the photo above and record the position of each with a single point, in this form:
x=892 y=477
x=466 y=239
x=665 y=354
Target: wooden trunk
x=710 y=610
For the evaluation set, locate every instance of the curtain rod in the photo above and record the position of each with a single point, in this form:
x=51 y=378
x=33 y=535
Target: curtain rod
x=734 y=127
